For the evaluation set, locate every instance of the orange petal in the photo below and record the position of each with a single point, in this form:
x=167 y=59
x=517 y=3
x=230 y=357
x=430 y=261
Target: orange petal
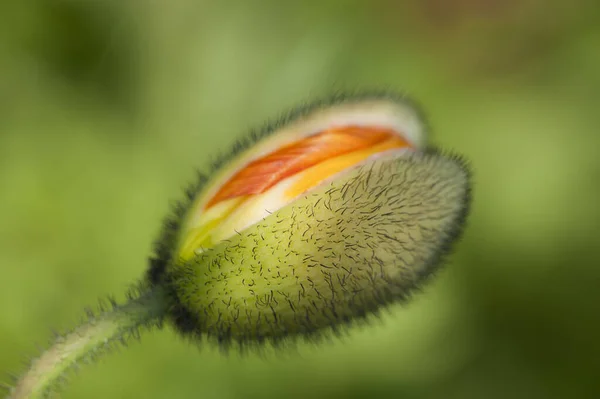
x=263 y=173
x=318 y=173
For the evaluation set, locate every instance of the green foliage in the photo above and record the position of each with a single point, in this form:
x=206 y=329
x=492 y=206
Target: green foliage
x=85 y=178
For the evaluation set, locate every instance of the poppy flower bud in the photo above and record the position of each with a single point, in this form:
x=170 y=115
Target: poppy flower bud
x=333 y=213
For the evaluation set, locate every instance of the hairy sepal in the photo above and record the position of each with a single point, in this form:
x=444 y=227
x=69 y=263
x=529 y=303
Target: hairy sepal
x=343 y=251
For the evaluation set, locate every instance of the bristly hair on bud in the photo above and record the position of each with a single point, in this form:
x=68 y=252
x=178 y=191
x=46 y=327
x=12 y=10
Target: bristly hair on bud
x=311 y=223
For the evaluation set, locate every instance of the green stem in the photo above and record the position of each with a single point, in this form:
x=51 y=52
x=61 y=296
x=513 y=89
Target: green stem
x=88 y=340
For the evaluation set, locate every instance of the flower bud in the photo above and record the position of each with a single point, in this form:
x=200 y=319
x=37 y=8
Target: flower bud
x=335 y=213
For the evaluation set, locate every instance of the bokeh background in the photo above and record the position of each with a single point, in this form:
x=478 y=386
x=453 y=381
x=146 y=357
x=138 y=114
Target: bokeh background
x=107 y=107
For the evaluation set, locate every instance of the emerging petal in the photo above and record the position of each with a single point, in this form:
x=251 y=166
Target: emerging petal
x=292 y=162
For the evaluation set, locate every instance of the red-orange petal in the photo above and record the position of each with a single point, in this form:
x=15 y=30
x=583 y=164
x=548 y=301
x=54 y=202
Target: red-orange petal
x=263 y=173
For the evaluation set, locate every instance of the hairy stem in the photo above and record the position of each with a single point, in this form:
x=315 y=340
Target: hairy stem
x=88 y=340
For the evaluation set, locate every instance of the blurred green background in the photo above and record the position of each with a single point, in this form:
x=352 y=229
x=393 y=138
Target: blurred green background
x=107 y=107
